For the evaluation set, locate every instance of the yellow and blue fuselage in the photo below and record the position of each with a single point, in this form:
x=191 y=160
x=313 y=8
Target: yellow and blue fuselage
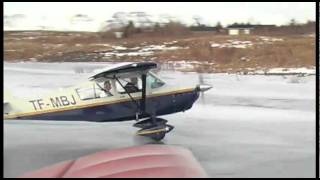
x=67 y=106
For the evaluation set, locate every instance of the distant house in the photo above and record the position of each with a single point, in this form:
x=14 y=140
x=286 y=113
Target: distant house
x=239 y=29
x=118 y=34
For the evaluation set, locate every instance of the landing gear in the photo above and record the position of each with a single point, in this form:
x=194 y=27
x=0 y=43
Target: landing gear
x=154 y=128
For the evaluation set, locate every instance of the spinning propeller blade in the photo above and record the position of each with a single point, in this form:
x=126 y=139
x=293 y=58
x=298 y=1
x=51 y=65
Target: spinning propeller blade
x=202 y=86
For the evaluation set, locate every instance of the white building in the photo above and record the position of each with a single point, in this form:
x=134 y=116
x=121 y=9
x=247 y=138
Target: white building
x=240 y=29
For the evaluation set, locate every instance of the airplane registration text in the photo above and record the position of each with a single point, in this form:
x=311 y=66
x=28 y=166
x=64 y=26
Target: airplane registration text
x=54 y=102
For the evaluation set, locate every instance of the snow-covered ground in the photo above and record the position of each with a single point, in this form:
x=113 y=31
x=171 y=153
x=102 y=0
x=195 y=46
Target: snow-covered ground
x=246 y=126
x=144 y=50
x=234 y=43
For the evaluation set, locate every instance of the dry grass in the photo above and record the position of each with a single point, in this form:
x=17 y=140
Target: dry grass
x=294 y=51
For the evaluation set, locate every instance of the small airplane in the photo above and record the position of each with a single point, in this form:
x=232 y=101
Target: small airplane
x=126 y=91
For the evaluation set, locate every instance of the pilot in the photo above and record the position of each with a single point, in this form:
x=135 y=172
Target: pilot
x=106 y=89
x=132 y=86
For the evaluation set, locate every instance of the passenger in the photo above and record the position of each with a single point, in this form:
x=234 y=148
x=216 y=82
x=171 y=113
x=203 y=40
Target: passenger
x=132 y=86
x=106 y=89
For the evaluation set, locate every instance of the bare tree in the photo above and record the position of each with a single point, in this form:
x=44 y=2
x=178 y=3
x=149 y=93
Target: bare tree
x=219 y=26
x=128 y=30
x=198 y=20
x=293 y=22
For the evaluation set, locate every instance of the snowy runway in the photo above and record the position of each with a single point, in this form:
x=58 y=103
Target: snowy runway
x=246 y=126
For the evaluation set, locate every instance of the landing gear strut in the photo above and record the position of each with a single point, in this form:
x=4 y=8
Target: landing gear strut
x=154 y=128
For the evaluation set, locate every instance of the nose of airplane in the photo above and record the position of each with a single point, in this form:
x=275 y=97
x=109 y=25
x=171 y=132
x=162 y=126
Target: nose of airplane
x=203 y=87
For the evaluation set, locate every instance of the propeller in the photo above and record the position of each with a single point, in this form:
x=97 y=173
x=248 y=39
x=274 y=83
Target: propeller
x=202 y=86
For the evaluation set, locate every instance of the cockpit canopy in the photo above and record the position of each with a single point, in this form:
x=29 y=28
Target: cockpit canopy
x=126 y=82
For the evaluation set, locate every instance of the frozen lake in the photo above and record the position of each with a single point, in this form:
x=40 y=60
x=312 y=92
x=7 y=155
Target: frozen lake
x=246 y=126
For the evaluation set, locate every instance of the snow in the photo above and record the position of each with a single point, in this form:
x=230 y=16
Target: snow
x=139 y=54
x=120 y=54
x=284 y=71
x=232 y=44
x=135 y=48
x=215 y=45
x=244 y=59
x=146 y=50
x=184 y=65
x=119 y=48
x=292 y=70
x=170 y=43
x=270 y=39
x=159 y=48
x=181 y=65
x=106 y=45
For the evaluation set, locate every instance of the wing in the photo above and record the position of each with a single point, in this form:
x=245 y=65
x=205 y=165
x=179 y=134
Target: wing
x=123 y=69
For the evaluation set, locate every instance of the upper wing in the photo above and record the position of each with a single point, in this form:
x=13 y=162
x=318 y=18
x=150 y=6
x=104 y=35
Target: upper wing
x=123 y=69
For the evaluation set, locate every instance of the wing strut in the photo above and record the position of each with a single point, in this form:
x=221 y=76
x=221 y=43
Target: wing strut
x=137 y=104
x=143 y=100
x=142 y=106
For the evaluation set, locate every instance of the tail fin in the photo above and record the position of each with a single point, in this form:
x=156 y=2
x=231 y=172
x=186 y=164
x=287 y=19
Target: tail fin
x=7 y=98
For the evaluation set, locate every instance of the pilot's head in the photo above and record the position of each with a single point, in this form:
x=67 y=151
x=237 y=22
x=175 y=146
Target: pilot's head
x=107 y=86
x=134 y=80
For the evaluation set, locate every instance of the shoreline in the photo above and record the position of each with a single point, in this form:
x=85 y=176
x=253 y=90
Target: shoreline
x=197 y=66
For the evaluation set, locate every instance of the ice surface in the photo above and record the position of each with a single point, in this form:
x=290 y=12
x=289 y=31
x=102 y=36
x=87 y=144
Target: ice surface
x=246 y=126
x=292 y=70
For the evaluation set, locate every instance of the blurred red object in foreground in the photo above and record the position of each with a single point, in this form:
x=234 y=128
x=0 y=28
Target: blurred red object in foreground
x=158 y=161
